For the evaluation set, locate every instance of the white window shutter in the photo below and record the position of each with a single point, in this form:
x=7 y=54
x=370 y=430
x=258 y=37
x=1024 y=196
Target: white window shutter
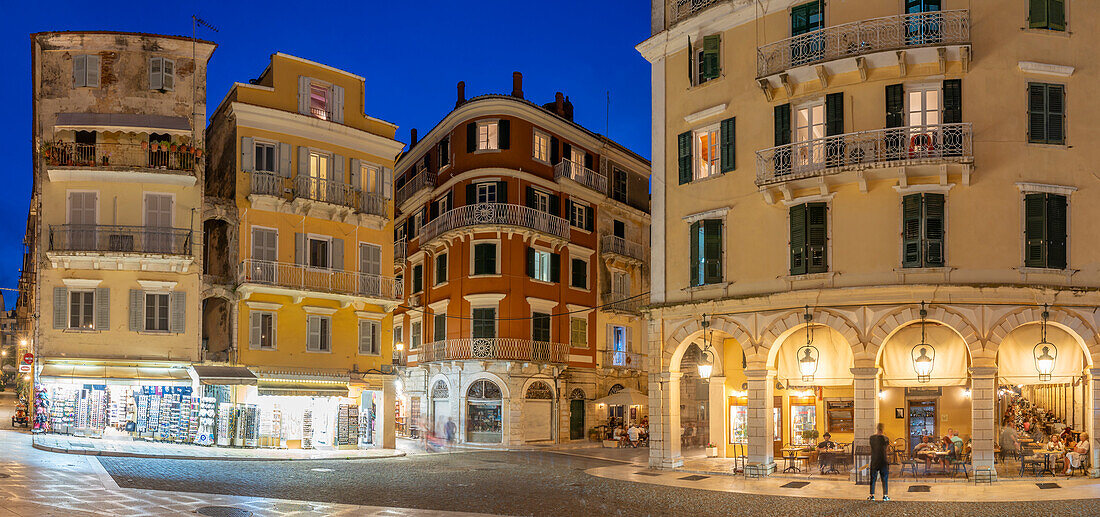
x=92 y=64
x=338 y=168
x=303 y=161
x=629 y=339
x=338 y=104
x=137 y=310
x=155 y=75
x=313 y=338
x=284 y=159
x=337 y=254
x=79 y=71
x=387 y=183
x=274 y=330
x=177 y=308
x=364 y=341
x=354 y=178
x=60 y=307
x=303 y=95
x=300 y=248
x=169 y=82
x=254 y=329
x=248 y=154
x=610 y=337
x=102 y=308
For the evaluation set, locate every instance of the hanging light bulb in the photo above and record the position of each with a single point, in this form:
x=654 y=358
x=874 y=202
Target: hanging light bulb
x=1045 y=352
x=807 y=354
x=923 y=354
x=706 y=362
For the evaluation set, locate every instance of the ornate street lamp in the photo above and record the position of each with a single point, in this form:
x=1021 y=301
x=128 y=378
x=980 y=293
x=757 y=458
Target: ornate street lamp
x=807 y=354
x=706 y=362
x=923 y=354
x=1045 y=352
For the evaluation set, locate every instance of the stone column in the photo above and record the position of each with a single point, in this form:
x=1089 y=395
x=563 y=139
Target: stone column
x=664 y=420
x=761 y=424
x=717 y=406
x=387 y=422
x=1092 y=423
x=865 y=404
x=983 y=417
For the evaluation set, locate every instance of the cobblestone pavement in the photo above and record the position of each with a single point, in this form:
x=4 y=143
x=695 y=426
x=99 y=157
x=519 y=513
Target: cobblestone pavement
x=519 y=483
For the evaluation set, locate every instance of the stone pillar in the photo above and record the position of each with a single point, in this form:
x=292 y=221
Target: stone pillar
x=983 y=419
x=718 y=419
x=865 y=404
x=761 y=422
x=664 y=420
x=1092 y=423
x=388 y=420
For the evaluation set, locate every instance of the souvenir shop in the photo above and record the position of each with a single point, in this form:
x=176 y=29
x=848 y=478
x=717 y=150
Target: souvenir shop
x=297 y=411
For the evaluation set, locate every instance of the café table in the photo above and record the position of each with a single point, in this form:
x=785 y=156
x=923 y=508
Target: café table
x=790 y=455
x=827 y=460
x=1047 y=455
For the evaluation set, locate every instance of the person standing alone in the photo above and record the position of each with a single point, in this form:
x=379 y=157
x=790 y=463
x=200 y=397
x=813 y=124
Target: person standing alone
x=879 y=465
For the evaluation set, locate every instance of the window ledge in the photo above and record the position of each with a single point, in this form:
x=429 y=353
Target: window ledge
x=81 y=331
x=484 y=151
x=1049 y=146
x=579 y=230
x=1067 y=272
x=361 y=354
x=261 y=349
x=699 y=86
x=486 y=275
x=308 y=351
x=441 y=284
x=581 y=289
x=707 y=287
x=1047 y=32
x=706 y=179
x=828 y=275
x=904 y=270
x=155 y=332
x=543 y=282
x=544 y=162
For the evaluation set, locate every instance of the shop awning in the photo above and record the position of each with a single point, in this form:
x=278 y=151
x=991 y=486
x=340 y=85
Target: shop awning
x=625 y=397
x=301 y=385
x=67 y=373
x=127 y=122
x=212 y=375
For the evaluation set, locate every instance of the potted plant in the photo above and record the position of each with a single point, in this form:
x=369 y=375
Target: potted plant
x=105 y=158
x=712 y=450
x=809 y=437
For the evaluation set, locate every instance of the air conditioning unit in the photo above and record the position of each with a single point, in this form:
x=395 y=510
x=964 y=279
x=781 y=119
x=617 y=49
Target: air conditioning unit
x=414 y=300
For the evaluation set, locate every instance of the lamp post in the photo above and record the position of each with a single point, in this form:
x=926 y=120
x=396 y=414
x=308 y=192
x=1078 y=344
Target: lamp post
x=706 y=362
x=1045 y=352
x=923 y=354
x=807 y=354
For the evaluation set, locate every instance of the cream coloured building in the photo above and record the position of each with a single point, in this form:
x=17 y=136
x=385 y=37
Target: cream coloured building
x=886 y=206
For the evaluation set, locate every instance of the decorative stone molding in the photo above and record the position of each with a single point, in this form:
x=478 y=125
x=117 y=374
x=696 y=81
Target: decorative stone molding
x=1031 y=67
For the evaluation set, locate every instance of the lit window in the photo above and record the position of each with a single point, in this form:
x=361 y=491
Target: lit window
x=81 y=312
x=318 y=101
x=542 y=201
x=486 y=192
x=263 y=330
x=541 y=147
x=809 y=129
x=708 y=159
x=579 y=216
x=542 y=266
x=487 y=136
x=924 y=106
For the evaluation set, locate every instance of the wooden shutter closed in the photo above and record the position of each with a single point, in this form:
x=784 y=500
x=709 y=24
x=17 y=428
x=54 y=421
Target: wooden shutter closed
x=589 y=218
x=816 y=238
x=895 y=105
x=1037 y=14
x=313 y=332
x=712 y=66
x=555 y=267
x=471 y=137
x=1035 y=226
x=555 y=205
x=338 y=173
x=337 y=254
x=444 y=152
x=102 y=308
x=911 y=230
x=137 y=310
x=299 y=248
x=798 y=239
x=92 y=64
x=712 y=251
x=284 y=159
x=248 y=154
x=588 y=161
x=303 y=95
x=530 y=262
x=504 y=136
x=80 y=74
x=156 y=75
x=1056 y=231
x=254 y=326
x=834 y=114
x=695 y=241
x=683 y=153
x=555 y=150
x=303 y=161
x=502 y=192
x=782 y=124
x=177 y=320
x=471 y=193
x=934 y=230
x=728 y=151
x=60 y=307
x=952 y=101
x=530 y=197
x=387 y=183
x=1055 y=114
x=169 y=81
x=338 y=104
x=355 y=175
x=1056 y=15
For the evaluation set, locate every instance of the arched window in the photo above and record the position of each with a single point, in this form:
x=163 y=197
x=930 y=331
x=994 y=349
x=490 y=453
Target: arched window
x=540 y=390
x=577 y=394
x=615 y=389
x=440 y=390
x=484 y=389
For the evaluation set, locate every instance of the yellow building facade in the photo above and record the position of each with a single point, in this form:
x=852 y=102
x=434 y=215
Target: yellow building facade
x=300 y=194
x=889 y=190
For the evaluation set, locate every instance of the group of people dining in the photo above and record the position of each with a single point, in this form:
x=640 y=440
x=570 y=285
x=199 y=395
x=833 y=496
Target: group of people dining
x=631 y=435
x=943 y=451
x=1025 y=426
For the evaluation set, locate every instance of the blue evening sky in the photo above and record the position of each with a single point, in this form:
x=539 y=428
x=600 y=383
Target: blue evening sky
x=411 y=54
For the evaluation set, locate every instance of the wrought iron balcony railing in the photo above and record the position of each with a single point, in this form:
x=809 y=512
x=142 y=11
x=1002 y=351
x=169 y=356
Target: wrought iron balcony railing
x=581 y=174
x=500 y=214
x=865 y=37
x=318 y=189
x=422 y=180
x=102 y=238
x=620 y=359
x=939 y=143
x=624 y=303
x=504 y=349
x=682 y=9
x=306 y=278
x=621 y=246
x=161 y=156
x=400 y=251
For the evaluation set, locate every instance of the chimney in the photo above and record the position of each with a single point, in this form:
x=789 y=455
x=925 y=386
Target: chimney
x=559 y=100
x=412 y=136
x=461 y=93
x=567 y=109
x=517 y=85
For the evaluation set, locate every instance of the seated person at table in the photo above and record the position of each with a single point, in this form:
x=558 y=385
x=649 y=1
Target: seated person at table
x=948 y=446
x=633 y=434
x=828 y=443
x=1010 y=444
x=1055 y=444
x=958 y=445
x=1067 y=434
x=923 y=450
x=1080 y=451
x=1037 y=434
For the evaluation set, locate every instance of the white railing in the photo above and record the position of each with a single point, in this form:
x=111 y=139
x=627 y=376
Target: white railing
x=681 y=9
x=267 y=184
x=400 y=251
x=421 y=180
x=888 y=147
x=581 y=174
x=621 y=246
x=507 y=349
x=499 y=214
x=300 y=276
x=619 y=302
x=865 y=37
x=619 y=359
x=323 y=190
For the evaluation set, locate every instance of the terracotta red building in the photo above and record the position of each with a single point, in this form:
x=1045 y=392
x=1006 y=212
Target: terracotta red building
x=521 y=239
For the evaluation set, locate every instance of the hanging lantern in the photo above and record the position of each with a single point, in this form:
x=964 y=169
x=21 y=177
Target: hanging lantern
x=807 y=354
x=923 y=354
x=706 y=362
x=1045 y=352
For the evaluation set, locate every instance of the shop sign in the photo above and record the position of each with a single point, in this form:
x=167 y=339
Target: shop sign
x=24 y=368
x=28 y=358
x=923 y=392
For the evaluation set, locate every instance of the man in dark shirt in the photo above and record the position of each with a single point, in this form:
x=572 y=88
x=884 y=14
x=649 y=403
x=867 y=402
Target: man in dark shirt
x=879 y=465
x=828 y=443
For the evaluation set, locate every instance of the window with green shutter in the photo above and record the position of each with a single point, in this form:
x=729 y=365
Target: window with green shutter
x=706 y=252
x=1047 y=14
x=485 y=258
x=710 y=64
x=781 y=115
x=1046 y=113
x=484 y=324
x=540 y=326
x=418 y=278
x=728 y=149
x=806 y=18
x=922 y=231
x=809 y=235
x=1045 y=230
x=578 y=273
